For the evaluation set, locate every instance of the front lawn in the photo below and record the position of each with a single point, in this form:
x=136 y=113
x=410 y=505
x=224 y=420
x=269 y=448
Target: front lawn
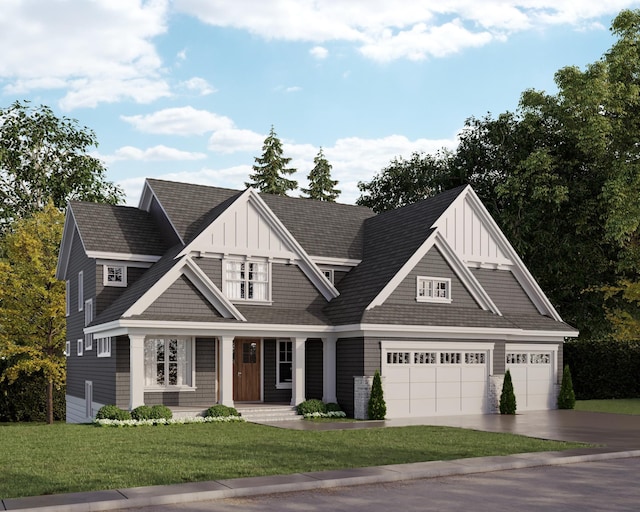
x=619 y=406
x=39 y=459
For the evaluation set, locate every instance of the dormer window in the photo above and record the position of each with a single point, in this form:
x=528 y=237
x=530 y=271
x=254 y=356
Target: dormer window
x=433 y=289
x=247 y=280
x=328 y=274
x=115 y=275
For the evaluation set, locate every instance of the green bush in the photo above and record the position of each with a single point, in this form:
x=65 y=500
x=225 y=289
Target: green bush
x=311 y=406
x=604 y=369
x=111 y=412
x=507 y=397
x=160 y=412
x=377 y=407
x=566 y=397
x=333 y=407
x=220 y=410
x=142 y=412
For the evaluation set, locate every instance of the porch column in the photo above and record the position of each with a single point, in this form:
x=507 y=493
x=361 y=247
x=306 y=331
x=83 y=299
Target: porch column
x=136 y=371
x=329 y=369
x=297 y=386
x=225 y=371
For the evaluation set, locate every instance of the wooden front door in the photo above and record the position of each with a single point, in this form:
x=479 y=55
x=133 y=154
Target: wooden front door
x=246 y=371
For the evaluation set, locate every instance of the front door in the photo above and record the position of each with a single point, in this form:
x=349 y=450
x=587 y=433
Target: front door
x=246 y=371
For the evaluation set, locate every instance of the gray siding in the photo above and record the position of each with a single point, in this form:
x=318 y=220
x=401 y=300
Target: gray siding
x=291 y=289
x=213 y=268
x=505 y=291
x=106 y=295
x=270 y=392
x=182 y=298
x=499 y=358
x=122 y=371
x=205 y=394
x=355 y=357
x=313 y=369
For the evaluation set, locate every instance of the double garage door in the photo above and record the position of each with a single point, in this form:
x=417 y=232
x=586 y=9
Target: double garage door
x=426 y=380
x=533 y=374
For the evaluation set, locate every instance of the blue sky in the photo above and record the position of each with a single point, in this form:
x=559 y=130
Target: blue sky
x=188 y=89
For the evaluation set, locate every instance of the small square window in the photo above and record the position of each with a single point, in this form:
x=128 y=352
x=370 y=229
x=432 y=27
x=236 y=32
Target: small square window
x=433 y=289
x=115 y=275
x=329 y=275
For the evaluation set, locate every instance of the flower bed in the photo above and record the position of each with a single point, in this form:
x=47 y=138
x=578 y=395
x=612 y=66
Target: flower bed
x=162 y=421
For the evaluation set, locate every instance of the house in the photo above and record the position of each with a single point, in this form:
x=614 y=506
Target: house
x=205 y=295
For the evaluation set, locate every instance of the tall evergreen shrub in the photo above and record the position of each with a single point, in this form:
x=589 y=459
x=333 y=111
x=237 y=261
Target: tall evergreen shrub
x=566 y=397
x=507 y=397
x=377 y=408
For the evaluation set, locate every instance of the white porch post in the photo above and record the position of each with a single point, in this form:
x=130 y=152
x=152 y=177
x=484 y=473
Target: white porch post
x=329 y=369
x=225 y=372
x=297 y=386
x=136 y=371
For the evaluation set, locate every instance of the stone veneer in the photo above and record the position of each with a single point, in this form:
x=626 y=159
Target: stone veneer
x=361 y=393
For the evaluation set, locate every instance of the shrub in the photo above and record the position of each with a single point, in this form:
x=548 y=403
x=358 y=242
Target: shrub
x=507 y=397
x=333 y=407
x=311 y=406
x=160 y=412
x=142 y=412
x=111 y=412
x=219 y=410
x=377 y=407
x=566 y=397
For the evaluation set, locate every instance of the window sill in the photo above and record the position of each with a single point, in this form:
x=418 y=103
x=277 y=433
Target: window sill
x=170 y=389
x=252 y=302
x=436 y=301
x=284 y=385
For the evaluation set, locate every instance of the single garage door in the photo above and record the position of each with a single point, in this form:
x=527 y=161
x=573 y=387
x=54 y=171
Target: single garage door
x=533 y=375
x=426 y=382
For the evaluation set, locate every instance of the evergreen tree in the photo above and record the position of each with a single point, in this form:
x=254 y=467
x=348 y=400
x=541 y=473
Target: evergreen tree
x=566 y=397
x=321 y=186
x=270 y=169
x=377 y=408
x=507 y=397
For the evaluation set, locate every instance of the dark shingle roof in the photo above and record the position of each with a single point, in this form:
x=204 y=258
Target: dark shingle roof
x=121 y=229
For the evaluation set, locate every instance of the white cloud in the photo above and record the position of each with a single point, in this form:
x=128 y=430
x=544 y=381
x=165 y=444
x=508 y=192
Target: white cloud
x=319 y=52
x=233 y=140
x=293 y=88
x=156 y=153
x=198 y=85
x=404 y=29
x=179 y=121
x=84 y=45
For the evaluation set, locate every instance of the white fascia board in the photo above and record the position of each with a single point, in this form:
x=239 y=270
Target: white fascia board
x=519 y=269
x=146 y=197
x=64 y=253
x=464 y=274
x=335 y=262
x=121 y=256
x=434 y=345
x=214 y=295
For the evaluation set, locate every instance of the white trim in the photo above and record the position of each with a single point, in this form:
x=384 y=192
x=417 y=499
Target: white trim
x=88 y=318
x=67 y=296
x=191 y=363
x=128 y=263
x=283 y=385
x=146 y=197
x=247 y=260
x=329 y=274
x=122 y=256
x=434 y=281
x=80 y=290
x=67 y=348
x=80 y=347
x=335 y=262
x=103 y=347
x=105 y=275
x=64 y=255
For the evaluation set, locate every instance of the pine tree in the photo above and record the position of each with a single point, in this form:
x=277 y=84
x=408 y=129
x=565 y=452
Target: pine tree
x=270 y=169
x=566 y=397
x=377 y=408
x=321 y=186
x=507 y=397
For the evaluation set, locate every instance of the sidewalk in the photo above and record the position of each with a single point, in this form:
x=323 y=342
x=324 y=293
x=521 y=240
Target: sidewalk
x=619 y=434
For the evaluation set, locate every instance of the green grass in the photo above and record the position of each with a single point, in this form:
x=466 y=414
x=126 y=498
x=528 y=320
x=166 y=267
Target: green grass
x=39 y=459
x=619 y=406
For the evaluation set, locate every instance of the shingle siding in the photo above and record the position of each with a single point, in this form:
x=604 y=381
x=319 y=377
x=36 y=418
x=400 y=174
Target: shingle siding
x=182 y=299
x=505 y=291
x=106 y=295
x=270 y=392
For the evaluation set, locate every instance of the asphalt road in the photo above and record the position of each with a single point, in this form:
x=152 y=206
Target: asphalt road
x=610 y=486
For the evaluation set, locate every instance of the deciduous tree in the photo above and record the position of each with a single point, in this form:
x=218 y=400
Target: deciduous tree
x=270 y=169
x=32 y=312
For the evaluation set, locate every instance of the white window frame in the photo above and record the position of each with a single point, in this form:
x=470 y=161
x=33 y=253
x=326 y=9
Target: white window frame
x=428 y=289
x=328 y=274
x=67 y=294
x=103 y=346
x=88 y=318
x=67 y=348
x=80 y=290
x=80 y=346
x=284 y=384
x=105 y=275
x=244 y=283
x=151 y=358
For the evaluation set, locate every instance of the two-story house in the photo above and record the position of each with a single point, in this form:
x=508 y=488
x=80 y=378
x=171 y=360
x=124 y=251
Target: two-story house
x=203 y=295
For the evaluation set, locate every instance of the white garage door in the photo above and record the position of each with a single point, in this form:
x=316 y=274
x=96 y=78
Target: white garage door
x=533 y=376
x=427 y=382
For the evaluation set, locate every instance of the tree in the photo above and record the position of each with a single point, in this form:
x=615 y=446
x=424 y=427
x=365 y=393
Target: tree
x=566 y=396
x=377 y=407
x=44 y=157
x=507 y=396
x=270 y=169
x=32 y=316
x=321 y=186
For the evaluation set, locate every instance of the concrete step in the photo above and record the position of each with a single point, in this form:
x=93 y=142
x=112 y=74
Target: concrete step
x=267 y=414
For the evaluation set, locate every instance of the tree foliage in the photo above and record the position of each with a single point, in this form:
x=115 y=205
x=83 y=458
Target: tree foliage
x=32 y=312
x=561 y=176
x=376 y=407
x=566 y=396
x=507 y=396
x=321 y=186
x=270 y=169
x=45 y=157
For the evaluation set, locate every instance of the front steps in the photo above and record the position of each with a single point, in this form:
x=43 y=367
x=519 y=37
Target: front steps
x=267 y=413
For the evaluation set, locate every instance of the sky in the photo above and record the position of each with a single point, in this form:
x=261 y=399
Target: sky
x=187 y=90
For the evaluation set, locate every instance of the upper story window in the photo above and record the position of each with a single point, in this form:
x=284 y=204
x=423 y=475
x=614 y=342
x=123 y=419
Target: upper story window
x=433 y=289
x=247 y=280
x=88 y=318
x=80 y=290
x=115 y=275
